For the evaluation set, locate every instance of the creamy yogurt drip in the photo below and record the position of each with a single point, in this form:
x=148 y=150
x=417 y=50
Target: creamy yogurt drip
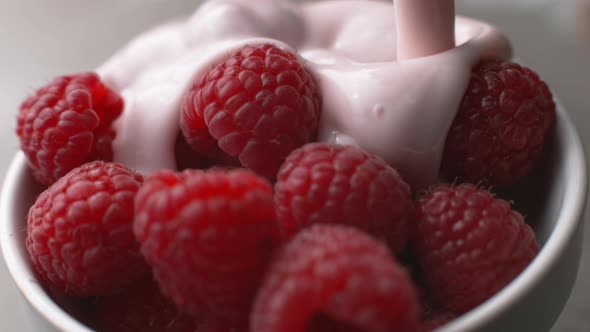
x=399 y=110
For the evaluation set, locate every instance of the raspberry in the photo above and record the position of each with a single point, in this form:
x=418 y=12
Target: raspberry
x=258 y=105
x=323 y=183
x=186 y=158
x=208 y=236
x=142 y=308
x=432 y=315
x=501 y=126
x=340 y=272
x=322 y=323
x=436 y=319
x=67 y=123
x=79 y=233
x=469 y=244
x=83 y=308
x=218 y=327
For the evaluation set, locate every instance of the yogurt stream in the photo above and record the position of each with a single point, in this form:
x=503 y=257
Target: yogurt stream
x=398 y=109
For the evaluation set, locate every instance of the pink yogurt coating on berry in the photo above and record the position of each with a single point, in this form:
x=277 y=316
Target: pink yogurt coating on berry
x=398 y=108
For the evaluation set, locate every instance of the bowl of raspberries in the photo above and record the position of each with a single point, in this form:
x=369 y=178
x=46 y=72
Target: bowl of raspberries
x=260 y=227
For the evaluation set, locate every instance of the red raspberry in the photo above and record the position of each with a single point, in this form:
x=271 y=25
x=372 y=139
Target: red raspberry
x=323 y=183
x=79 y=232
x=82 y=308
x=142 y=308
x=208 y=236
x=258 y=106
x=501 y=126
x=322 y=323
x=470 y=245
x=218 y=327
x=67 y=123
x=340 y=272
x=186 y=158
x=432 y=315
x=436 y=319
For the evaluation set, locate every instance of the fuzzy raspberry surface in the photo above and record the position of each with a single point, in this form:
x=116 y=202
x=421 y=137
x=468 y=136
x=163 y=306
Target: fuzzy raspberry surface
x=80 y=234
x=142 y=308
x=432 y=314
x=436 y=319
x=502 y=124
x=208 y=236
x=338 y=271
x=210 y=326
x=323 y=323
x=338 y=184
x=469 y=244
x=67 y=123
x=257 y=106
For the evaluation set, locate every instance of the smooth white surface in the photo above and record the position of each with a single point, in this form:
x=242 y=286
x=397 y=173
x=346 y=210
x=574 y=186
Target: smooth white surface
x=44 y=38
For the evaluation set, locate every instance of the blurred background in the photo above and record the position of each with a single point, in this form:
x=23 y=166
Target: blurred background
x=40 y=39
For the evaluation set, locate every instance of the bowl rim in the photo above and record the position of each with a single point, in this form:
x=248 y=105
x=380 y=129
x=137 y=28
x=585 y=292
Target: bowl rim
x=20 y=270
x=570 y=216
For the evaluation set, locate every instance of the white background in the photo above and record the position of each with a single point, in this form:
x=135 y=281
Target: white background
x=40 y=39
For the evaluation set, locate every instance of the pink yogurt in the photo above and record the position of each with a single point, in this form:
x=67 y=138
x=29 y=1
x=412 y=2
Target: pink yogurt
x=389 y=88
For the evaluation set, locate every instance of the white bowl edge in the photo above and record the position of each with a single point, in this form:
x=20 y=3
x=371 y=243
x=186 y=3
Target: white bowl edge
x=19 y=269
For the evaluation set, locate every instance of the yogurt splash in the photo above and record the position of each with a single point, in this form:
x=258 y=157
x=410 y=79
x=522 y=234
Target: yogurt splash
x=397 y=108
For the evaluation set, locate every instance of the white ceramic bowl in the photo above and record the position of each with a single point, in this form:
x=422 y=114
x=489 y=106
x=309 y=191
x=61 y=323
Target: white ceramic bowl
x=554 y=199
